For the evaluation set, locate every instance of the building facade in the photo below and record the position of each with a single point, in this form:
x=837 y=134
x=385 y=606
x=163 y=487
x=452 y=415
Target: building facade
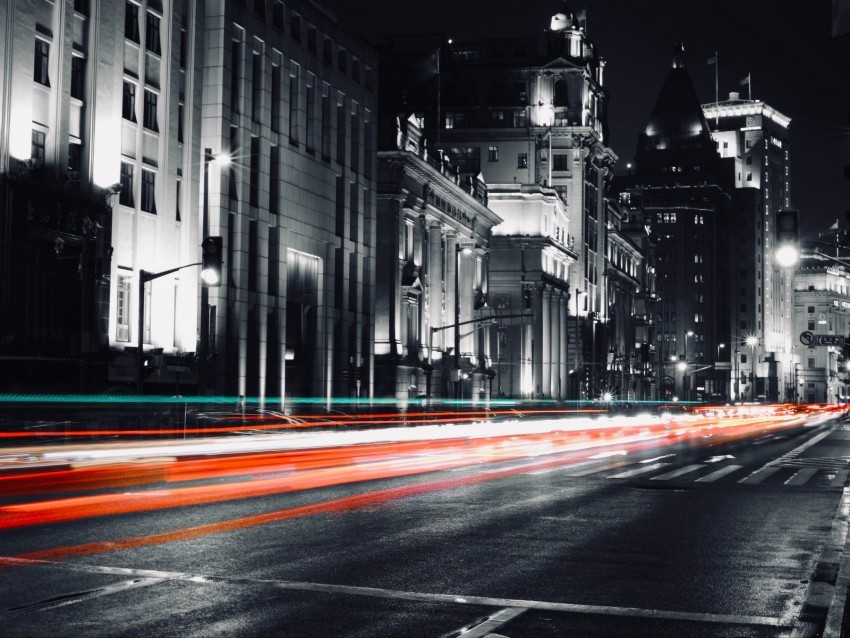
x=681 y=189
x=433 y=322
x=820 y=373
x=529 y=117
x=111 y=114
x=753 y=139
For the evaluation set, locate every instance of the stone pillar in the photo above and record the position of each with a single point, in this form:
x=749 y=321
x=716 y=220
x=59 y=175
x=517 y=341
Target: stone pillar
x=545 y=322
x=434 y=273
x=537 y=387
x=564 y=367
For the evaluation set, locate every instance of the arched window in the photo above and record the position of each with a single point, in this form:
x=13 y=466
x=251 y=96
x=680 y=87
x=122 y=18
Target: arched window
x=561 y=92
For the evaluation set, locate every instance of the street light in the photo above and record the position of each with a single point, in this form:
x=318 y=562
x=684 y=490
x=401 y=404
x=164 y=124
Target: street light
x=579 y=294
x=685 y=379
x=221 y=159
x=752 y=341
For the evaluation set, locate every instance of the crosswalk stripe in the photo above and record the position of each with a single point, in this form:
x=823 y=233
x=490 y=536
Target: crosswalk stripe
x=638 y=471
x=802 y=476
x=716 y=474
x=595 y=469
x=679 y=472
x=759 y=475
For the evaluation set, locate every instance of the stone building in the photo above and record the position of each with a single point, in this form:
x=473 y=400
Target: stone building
x=432 y=320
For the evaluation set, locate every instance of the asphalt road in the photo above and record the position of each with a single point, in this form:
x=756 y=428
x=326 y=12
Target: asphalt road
x=697 y=539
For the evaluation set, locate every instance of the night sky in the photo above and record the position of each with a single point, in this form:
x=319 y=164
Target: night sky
x=786 y=45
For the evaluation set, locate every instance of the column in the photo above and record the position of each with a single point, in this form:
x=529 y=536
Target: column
x=434 y=275
x=546 y=344
x=564 y=366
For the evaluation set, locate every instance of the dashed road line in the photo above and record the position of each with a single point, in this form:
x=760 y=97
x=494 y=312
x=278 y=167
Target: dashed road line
x=802 y=476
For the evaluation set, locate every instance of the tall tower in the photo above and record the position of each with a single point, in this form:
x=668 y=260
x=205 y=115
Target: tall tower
x=753 y=139
x=680 y=182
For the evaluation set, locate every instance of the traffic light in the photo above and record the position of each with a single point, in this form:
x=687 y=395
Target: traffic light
x=787 y=237
x=211 y=261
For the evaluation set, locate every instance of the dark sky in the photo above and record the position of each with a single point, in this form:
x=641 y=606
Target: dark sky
x=785 y=44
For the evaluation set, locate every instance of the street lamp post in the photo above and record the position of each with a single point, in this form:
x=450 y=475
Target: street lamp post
x=720 y=347
x=579 y=294
x=685 y=378
x=204 y=342
x=752 y=341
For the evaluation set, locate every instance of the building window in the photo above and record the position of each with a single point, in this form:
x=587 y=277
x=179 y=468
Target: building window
x=559 y=162
x=177 y=189
x=355 y=70
x=340 y=134
x=312 y=40
x=180 y=112
x=128 y=105
x=235 y=57
x=274 y=176
x=342 y=61
x=122 y=309
x=811 y=324
x=131 y=22
x=260 y=8
x=42 y=60
x=148 y=191
x=293 y=106
x=295 y=27
x=277 y=14
x=81 y=7
x=310 y=132
x=75 y=157
x=78 y=66
x=37 y=147
x=328 y=51
x=749 y=176
x=254 y=186
x=454 y=120
x=150 y=110
x=493 y=154
x=355 y=142
x=522 y=160
x=152 y=34
x=326 y=128
x=126 y=197
x=519 y=120
x=275 y=98
x=256 y=87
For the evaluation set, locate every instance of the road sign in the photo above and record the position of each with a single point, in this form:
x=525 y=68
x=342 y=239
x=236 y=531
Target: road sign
x=829 y=340
x=179 y=362
x=807 y=338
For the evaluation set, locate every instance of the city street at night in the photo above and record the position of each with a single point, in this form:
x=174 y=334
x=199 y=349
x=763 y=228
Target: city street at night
x=590 y=526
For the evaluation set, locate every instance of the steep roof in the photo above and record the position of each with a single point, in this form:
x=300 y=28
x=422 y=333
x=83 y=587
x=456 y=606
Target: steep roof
x=678 y=112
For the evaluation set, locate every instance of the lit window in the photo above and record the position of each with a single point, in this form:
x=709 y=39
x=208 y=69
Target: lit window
x=126 y=197
x=148 y=191
x=122 y=309
x=78 y=66
x=42 y=60
x=128 y=109
x=75 y=157
x=150 y=111
x=522 y=160
x=37 y=147
x=152 y=33
x=131 y=22
x=493 y=154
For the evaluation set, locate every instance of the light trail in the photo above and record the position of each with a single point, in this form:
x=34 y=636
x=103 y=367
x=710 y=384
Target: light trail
x=310 y=462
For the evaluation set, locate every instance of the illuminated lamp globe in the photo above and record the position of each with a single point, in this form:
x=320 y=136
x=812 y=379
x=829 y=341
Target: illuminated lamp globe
x=209 y=276
x=787 y=256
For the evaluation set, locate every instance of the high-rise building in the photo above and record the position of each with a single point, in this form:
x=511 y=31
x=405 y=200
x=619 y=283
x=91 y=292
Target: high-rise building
x=111 y=115
x=680 y=184
x=753 y=139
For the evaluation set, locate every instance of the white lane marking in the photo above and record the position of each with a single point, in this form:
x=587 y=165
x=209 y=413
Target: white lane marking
x=840 y=477
x=571 y=467
x=657 y=458
x=638 y=471
x=678 y=472
x=605 y=455
x=802 y=448
x=495 y=621
x=596 y=469
x=802 y=476
x=632 y=612
x=716 y=474
x=759 y=475
x=716 y=459
x=78 y=597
